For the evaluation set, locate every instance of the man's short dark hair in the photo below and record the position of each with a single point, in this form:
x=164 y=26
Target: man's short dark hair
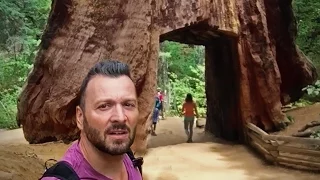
x=109 y=68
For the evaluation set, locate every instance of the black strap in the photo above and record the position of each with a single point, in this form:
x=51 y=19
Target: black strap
x=137 y=162
x=63 y=170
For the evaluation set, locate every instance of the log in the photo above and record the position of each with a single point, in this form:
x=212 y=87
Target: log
x=261 y=142
x=264 y=152
x=252 y=61
x=296 y=140
x=300 y=167
x=302 y=151
x=292 y=160
x=256 y=129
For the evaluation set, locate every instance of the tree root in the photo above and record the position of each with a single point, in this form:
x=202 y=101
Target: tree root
x=309 y=125
x=303 y=134
x=308 y=129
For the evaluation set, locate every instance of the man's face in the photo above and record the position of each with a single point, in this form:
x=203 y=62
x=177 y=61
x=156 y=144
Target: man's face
x=110 y=114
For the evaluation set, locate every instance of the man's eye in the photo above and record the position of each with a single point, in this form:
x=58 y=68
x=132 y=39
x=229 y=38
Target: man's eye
x=103 y=106
x=129 y=104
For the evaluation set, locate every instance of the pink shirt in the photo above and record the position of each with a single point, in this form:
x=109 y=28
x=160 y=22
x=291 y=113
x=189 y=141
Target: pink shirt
x=84 y=170
x=160 y=96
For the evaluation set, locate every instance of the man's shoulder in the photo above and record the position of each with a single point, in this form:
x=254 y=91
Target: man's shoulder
x=71 y=152
x=132 y=170
x=59 y=170
x=78 y=166
x=73 y=158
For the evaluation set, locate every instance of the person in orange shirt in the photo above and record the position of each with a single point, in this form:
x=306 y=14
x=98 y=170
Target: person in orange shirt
x=189 y=110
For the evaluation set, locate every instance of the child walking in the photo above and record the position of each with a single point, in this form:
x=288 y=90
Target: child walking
x=189 y=110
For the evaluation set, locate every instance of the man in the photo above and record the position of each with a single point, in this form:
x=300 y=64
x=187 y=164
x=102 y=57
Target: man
x=107 y=118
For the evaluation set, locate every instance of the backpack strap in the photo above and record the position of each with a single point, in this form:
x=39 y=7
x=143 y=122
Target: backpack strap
x=137 y=162
x=64 y=171
x=61 y=170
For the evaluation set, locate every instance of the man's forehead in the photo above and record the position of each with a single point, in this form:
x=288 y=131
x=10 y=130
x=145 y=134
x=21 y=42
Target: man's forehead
x=111 y=86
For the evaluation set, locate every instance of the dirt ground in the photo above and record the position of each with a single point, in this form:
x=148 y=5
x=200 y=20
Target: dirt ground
x=168 y=157
x=301 y=117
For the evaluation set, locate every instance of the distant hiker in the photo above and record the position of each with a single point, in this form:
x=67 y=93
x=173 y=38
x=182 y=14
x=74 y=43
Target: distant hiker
x=161 y=98
x=189 y=110
x=107 y=117
x=155 y=115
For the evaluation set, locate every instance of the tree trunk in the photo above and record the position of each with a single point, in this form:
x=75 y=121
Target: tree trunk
x=222 y=89
x=254 y=37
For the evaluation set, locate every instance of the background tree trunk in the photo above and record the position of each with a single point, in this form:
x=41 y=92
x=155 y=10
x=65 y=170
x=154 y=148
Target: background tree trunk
x=81 y=33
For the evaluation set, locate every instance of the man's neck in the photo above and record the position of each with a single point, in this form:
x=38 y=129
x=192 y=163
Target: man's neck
x=106 y=164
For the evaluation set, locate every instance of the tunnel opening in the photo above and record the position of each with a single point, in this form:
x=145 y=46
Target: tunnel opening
x=223 y=115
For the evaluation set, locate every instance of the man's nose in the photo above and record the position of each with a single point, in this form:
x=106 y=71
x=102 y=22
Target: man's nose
x=119 y=114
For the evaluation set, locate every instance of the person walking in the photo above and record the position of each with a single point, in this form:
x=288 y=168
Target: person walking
x=189 y=110
x=155 y=116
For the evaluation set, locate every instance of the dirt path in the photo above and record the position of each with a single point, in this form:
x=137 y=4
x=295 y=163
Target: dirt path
x=301 y=117
x=168 y=158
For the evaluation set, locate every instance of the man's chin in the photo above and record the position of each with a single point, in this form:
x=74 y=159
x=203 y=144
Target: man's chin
x=118 y=149
x=118 y=145
x=111 y=140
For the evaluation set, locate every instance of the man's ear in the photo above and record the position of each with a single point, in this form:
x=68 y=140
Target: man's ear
x=79 y=117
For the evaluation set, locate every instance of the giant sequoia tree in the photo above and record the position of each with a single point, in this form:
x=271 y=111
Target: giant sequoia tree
x=252 y=63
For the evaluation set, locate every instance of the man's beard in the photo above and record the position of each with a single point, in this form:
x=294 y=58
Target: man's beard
x=105 y=144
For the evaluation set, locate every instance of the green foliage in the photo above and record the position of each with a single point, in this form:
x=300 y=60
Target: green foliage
x=8 y=109
x=185 y=66
x=13 y=73
x=183 y=58
x=22 y=23
x=308 y=39
x=290 y=118
x=308 y=21
x=312 y=92
x=313 y=89
x=193 y=85
x=316 y=135
x=302 y=103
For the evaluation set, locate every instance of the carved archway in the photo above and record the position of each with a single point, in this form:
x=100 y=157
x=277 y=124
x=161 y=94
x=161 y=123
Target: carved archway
x=221 y=74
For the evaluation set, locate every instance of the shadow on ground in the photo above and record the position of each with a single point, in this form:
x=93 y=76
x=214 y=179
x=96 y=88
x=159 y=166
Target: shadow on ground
x=169 y=157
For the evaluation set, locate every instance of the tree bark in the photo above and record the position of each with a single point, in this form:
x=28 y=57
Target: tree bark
x=258 y=50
